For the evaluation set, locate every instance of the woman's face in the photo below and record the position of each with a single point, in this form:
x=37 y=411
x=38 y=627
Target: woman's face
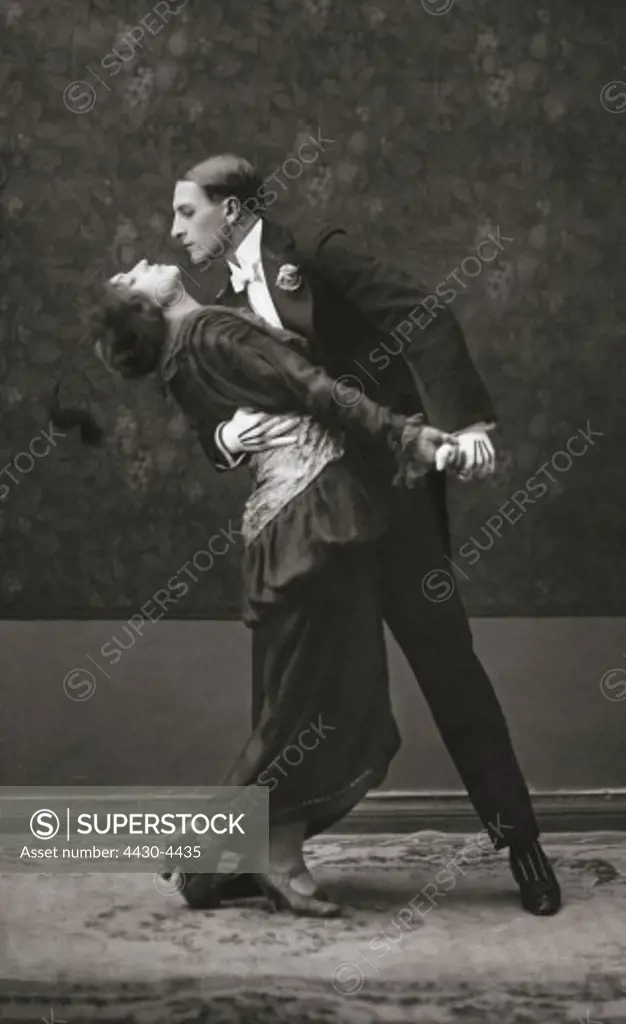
x=159 y=283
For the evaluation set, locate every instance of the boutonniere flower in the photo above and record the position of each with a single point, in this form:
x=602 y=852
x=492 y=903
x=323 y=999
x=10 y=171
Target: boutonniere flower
x=289 y=278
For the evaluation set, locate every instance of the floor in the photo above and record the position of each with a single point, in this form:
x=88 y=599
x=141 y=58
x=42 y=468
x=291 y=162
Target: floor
x=413 y=946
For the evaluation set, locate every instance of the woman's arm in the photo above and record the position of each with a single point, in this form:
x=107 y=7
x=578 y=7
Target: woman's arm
x=244 y=362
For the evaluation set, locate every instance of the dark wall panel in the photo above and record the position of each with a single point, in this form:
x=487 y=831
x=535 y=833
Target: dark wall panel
x=436 y=131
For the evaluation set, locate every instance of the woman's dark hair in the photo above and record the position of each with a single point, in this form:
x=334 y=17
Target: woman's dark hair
x=130 y=331
x=68 y=417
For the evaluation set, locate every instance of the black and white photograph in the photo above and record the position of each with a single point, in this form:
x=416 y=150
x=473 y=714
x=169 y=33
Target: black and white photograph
x=312 y=512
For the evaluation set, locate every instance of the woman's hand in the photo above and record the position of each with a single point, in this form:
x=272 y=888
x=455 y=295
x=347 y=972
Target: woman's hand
x=422 y=447
x=450 y=456
x=439 y=448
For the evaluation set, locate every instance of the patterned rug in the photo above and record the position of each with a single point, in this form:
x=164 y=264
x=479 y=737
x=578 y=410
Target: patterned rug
x=433 y=933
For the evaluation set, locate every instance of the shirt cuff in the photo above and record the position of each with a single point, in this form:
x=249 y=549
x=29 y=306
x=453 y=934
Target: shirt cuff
x=229 y=461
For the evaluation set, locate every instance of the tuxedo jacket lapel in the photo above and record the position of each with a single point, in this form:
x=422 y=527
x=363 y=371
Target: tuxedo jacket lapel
x=295 y=309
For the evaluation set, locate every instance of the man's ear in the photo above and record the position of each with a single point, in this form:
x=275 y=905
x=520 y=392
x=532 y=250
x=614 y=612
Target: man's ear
x=232 y=209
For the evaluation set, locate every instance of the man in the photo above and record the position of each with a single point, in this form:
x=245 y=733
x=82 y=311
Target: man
x=368 y=324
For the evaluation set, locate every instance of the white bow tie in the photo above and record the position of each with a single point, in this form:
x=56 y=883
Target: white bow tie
x=241 y=277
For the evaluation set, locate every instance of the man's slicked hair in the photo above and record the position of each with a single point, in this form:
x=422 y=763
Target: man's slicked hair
x=226 y=175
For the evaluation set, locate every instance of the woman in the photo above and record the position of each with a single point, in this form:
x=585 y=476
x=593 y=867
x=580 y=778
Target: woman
x=309 y=566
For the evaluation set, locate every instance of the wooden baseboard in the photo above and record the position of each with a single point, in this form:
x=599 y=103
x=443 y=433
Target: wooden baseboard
x=597 y=810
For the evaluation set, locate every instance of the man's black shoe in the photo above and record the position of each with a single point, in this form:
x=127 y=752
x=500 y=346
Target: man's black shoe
x=534 y=874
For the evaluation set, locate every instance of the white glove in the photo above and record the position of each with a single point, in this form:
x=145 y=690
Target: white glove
x=251 y=431
x=479 y=457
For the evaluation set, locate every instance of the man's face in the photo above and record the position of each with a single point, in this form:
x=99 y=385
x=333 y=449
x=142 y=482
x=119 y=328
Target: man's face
x=200 y=225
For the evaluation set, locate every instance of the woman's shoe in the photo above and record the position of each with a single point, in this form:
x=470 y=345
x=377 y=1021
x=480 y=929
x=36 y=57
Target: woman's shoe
x=207 y=892
x=277 y=889
x=315 y=891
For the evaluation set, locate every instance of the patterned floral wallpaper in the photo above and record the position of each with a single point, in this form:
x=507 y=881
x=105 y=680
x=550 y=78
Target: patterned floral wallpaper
x=438 y=123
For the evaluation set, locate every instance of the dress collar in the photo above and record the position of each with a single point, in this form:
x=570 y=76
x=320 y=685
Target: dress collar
x=171 y=348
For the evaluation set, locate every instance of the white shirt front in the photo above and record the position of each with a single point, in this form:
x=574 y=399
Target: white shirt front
x=249 y=268
x=248 y=273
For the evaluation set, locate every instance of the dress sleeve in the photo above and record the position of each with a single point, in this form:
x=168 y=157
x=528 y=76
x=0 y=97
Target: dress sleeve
x=246 y=365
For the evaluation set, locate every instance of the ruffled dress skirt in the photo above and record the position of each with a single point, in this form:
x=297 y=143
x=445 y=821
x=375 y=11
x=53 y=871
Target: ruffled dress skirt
x=323 y=731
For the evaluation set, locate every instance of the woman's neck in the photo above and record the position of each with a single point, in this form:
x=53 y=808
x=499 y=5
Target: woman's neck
x=177 y=312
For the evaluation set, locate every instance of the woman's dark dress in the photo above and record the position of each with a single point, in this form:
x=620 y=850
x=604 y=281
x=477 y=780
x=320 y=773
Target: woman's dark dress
x=323 y=731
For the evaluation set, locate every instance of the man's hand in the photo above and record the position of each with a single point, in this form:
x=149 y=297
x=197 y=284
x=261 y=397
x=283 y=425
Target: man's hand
x=248 y=432
x=479 y=457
